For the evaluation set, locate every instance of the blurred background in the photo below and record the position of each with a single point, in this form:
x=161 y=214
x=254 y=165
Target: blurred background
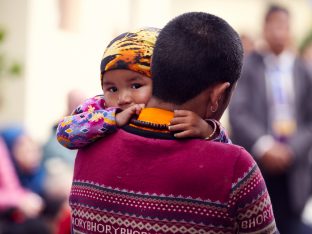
x=50 y=53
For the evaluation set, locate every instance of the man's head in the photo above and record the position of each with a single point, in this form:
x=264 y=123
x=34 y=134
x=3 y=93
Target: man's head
x=277 y=28
x=196 y=52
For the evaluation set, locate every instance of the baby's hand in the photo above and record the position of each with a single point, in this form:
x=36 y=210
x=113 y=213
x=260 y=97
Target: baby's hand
x=123 y=117
x=188 y=124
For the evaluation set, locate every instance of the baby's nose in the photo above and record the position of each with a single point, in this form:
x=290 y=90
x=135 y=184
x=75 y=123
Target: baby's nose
x=124 y=99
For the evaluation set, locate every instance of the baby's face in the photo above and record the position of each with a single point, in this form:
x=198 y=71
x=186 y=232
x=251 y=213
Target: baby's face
x=124 y=88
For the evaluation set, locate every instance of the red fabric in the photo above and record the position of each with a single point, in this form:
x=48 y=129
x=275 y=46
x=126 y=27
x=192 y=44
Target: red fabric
x=159 y=160
x=63 y=224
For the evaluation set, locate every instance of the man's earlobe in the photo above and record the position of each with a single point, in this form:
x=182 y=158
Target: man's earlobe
x=218 y=92
x=213 y=109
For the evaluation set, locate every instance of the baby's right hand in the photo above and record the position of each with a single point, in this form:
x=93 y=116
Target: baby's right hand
x=122 y=118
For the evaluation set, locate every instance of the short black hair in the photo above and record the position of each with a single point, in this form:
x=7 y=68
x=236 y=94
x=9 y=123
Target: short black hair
x=194 y=51
x=273 y=9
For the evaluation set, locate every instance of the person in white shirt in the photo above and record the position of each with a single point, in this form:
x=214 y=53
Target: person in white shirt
x=271 y=117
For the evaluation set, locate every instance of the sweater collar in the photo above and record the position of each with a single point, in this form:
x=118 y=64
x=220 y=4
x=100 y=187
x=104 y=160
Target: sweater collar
x=156 y=115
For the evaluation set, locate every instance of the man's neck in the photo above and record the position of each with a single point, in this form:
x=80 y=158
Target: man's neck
x=157 y=103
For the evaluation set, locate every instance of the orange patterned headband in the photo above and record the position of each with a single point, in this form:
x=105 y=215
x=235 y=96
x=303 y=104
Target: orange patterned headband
x=131 y=51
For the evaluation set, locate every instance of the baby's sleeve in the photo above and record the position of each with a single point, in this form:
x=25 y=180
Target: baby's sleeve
x=91 y=104
x=222 y=136
x=88 y=122
x=249 y=202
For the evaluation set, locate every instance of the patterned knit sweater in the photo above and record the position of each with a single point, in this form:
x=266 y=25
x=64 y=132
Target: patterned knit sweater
x=138 y=181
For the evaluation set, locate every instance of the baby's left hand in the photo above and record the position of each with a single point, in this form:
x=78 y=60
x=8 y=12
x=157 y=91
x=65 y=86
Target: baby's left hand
x=123 y=117
x=188 y=124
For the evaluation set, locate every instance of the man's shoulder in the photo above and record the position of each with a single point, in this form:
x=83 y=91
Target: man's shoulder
x=220 y=148
x=235 y=152
x=155 y=145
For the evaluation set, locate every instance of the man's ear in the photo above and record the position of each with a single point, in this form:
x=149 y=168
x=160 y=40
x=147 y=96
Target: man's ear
x=218 y=92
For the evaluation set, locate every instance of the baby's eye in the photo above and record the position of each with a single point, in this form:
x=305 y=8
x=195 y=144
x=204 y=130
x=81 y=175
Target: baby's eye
x=136 y=86
x=112 y=89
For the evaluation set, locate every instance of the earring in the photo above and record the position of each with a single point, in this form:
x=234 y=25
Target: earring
x=213 y=110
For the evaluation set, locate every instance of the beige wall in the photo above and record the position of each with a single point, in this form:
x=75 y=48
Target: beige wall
x=56 y=61
x=12 y=91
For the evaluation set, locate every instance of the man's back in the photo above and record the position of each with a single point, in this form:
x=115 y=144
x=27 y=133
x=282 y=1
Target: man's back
x=133 y=184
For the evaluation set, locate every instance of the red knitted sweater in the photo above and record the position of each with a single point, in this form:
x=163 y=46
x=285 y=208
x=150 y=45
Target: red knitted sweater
x=139 y=181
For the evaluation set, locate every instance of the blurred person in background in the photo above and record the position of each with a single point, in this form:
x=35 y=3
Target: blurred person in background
x=26 y=156
x=58 y=162
x=270 y=117
x=13 y=195
x=52 y=149
x=306 y=51
x=248 y=43
x=20 y=208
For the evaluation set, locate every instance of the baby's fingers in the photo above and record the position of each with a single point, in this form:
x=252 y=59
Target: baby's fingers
x=178 y=127
x=135 y=109
x=181 y=113
x=138 y=108
x=184 y=134
x=178 y=120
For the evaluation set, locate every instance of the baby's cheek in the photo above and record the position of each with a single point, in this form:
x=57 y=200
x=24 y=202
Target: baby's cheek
x=147 y=94
x=110 y=100
x=144 y=99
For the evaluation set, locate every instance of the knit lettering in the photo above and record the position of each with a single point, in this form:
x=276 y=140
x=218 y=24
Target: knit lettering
x=258 y=220
x=102 y=228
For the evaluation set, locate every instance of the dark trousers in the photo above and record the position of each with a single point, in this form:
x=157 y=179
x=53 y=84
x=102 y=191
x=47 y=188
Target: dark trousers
x=287 y=221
